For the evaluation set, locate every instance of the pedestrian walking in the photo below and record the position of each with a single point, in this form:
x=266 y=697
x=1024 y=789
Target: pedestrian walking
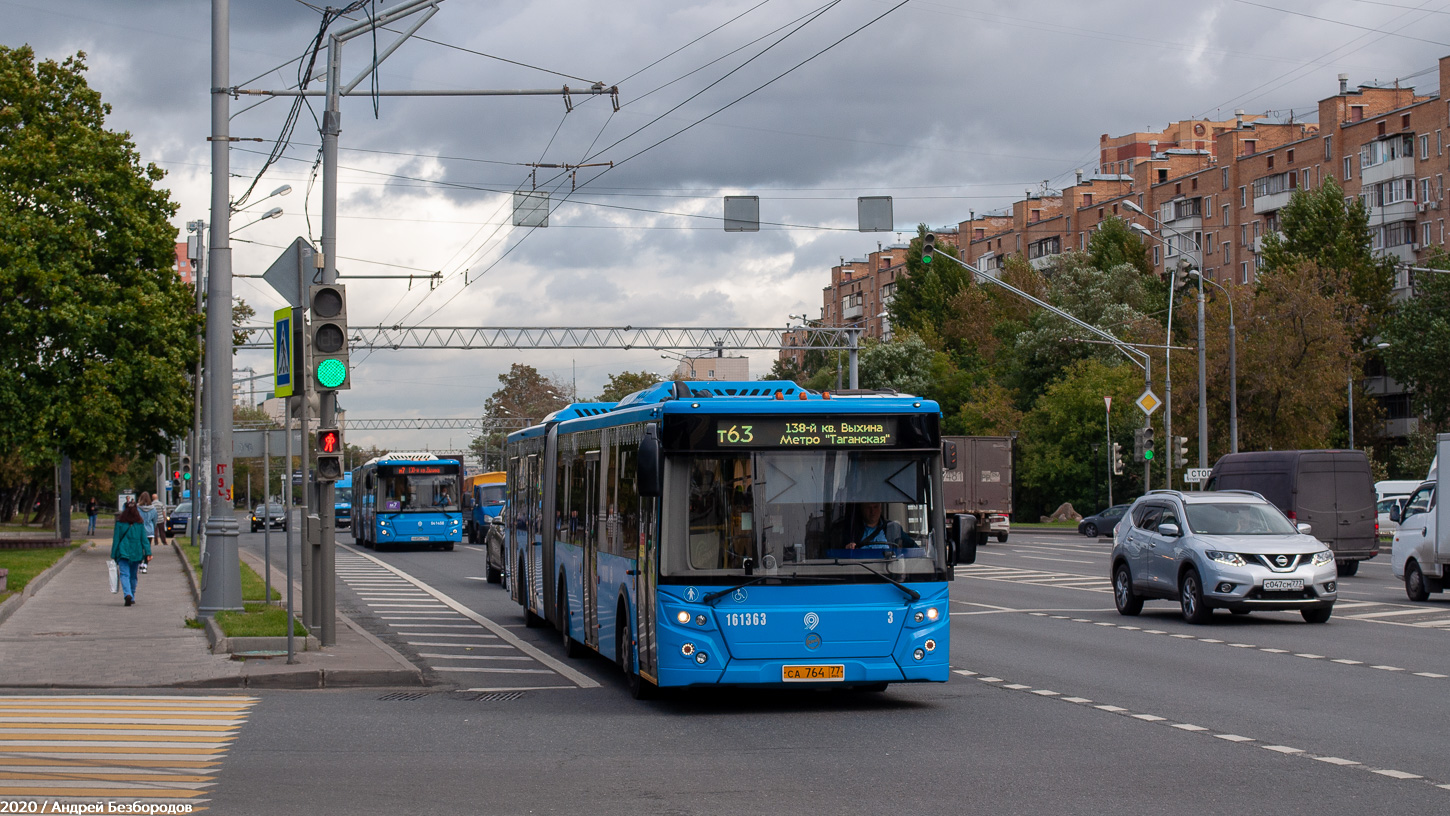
x=130 y=548
x=148 y=519
x=159 y=539
x=93 y=507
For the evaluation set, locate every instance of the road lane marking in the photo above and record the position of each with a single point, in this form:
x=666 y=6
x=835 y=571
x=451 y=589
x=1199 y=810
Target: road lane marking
x=573 y=675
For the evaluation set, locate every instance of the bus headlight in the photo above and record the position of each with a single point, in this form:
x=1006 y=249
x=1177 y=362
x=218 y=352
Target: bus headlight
x=701 y=658
x=682 y=616
x=918 y=654
x=932 y=614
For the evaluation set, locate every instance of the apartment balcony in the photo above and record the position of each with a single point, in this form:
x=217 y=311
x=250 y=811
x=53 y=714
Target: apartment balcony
x=852 y=312
x=1401 y=427
x=1272 y=202
x=1398 y=211
x=1042 y=262
x=1187 y=223
x=1384 y=171
x=1259 y=242
x=1383 y=385
x=1405 y=253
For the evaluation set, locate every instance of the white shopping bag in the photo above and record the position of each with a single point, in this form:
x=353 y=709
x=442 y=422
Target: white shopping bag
x=115 y=574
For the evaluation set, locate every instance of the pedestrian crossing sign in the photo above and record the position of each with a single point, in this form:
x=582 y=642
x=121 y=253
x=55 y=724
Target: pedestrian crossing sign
x=282 y=351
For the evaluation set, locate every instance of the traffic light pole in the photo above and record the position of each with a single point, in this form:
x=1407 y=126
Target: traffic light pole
x=221 y=584
x=1112 y=460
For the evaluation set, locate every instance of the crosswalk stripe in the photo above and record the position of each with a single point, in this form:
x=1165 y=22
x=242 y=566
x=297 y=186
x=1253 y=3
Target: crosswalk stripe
x=137 y=748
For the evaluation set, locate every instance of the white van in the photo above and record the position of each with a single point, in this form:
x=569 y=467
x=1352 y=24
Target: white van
x=1420 y=553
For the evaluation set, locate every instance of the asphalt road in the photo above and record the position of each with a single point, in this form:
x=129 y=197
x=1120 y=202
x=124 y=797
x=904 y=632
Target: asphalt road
x=1059 y=705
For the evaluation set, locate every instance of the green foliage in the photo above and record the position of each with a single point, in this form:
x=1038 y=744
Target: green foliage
x=922 y=304
x=1419 y=336
x=1318 y=226
x=1115 y=243
x=625 y=383
x=524 y=393
x=1412 y=460
x=1057 y=461
x=99 y=331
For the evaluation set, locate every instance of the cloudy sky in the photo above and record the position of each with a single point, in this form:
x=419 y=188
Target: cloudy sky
x=949 y=106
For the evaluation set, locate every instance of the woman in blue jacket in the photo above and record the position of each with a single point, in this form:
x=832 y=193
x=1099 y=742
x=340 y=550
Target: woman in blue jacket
x=130 y=548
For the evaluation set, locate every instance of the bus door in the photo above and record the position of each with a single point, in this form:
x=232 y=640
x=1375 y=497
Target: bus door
x=593 y=529
x=645 y=573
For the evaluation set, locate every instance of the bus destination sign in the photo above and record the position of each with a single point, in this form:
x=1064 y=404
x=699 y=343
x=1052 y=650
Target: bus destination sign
x=423 y=470
x=844 y=432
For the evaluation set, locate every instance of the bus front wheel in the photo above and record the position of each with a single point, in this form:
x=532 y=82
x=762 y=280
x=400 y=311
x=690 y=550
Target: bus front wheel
x=639 y=688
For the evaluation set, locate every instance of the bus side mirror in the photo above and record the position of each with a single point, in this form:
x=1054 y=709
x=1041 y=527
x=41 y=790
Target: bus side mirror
x=948 y=456
x=966 y=544
x=650 y=468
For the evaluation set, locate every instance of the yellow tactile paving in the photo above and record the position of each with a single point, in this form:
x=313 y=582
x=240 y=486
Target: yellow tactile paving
x=68 y=749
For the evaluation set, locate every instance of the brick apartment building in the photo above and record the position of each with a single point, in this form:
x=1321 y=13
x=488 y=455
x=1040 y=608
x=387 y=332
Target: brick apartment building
x=1216 y=188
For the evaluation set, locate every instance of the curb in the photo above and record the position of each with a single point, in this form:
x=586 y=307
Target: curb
x=191 y=578
x=13 y=603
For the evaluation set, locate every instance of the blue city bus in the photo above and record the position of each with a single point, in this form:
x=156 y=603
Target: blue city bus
x=738 y=534
x=342 y=502
x=408 y=499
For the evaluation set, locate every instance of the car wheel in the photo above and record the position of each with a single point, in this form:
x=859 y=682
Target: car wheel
x=1127 y=601
x=1001 y=538
x=1317 y=615
x=493 y=576
x=1347 y=567
x=1415 y=587
x=1091 y=531
x=1190 y=597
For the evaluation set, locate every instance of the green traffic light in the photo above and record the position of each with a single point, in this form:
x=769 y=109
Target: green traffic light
x=926 y=259
x=331 y=373
x=1147 y=456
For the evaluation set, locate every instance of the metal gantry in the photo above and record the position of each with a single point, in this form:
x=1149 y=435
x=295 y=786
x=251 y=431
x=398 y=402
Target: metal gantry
x=674 y=338
x=481 y=424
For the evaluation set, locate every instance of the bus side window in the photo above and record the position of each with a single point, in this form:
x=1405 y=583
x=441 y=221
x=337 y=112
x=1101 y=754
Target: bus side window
x=628 y=503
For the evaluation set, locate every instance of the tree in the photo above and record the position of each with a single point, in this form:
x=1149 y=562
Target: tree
x=922 y=303
x=1419 y=336
x=524 y=394
x=1318 y=227
x=99 y=330
x=625 y=383
x=1114 y=243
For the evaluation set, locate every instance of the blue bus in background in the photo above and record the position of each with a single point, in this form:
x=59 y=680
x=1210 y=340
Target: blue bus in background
x=408 y=499
x=738 y=533
x=342 y=502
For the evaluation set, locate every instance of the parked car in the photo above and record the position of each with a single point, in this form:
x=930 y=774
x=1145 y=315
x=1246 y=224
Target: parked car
x=1330 y=490
x=1386 y=488
x=177 y=520
x=1220 y=550
x=1418 y=554
x=276 y=512
x=1385 y=523
x=493 y=541
x=1000 y=524
x=1103 y=521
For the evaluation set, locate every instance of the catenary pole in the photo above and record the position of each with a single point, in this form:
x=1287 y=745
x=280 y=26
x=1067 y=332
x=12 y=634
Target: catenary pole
x=1202 y=382
x=221 y=587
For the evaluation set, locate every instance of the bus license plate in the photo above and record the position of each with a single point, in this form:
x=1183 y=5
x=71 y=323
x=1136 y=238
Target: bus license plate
x=420 y=538
x=812 y=674
x=1281 y=584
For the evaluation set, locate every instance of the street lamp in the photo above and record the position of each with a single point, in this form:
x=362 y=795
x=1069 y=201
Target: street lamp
x=683 y=358
x=280 y=191
x=272 y=213
x=1233 y=376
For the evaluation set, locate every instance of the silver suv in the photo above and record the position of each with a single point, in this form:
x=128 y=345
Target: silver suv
x=1228 y=549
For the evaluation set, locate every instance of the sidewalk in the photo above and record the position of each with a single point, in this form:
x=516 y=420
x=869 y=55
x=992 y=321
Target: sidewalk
x=74 y=633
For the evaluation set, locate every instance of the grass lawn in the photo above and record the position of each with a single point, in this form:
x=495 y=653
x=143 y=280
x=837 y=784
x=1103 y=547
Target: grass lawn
x=259 y=620
x=252 y=587
x=26 y=564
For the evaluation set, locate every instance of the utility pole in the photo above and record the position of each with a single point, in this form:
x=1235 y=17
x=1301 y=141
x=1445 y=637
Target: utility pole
x=1202 y=381
x=221 y=586
x=196 y=253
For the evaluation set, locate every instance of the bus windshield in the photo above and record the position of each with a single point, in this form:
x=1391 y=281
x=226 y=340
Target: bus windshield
x=401 y=491
x=342 y=495
x=806 y=513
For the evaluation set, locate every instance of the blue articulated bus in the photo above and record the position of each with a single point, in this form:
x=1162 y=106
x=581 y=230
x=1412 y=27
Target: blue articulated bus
x=342 y=502
x=408 y=499
x=738 y=534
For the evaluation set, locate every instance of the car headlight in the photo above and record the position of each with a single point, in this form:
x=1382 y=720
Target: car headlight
x=1232 y=559
x=1323 y=557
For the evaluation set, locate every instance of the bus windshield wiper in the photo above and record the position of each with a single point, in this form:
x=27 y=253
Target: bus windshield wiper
x=793 y=576
x=717 y=595
x=910 y=593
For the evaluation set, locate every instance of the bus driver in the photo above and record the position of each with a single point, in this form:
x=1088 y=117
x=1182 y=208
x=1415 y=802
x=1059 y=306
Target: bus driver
x=873 y=531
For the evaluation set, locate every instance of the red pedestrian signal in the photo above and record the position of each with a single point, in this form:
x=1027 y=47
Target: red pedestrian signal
x=329 y=441
x=329 y=454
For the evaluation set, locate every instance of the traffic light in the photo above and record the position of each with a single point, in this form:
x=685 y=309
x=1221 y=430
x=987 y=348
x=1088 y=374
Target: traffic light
x=328 y=332
x=928 y=247
x=1180 y=451
x=185 y=468
x=1148 y=444
x=329 y=454
x=1117 y=459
